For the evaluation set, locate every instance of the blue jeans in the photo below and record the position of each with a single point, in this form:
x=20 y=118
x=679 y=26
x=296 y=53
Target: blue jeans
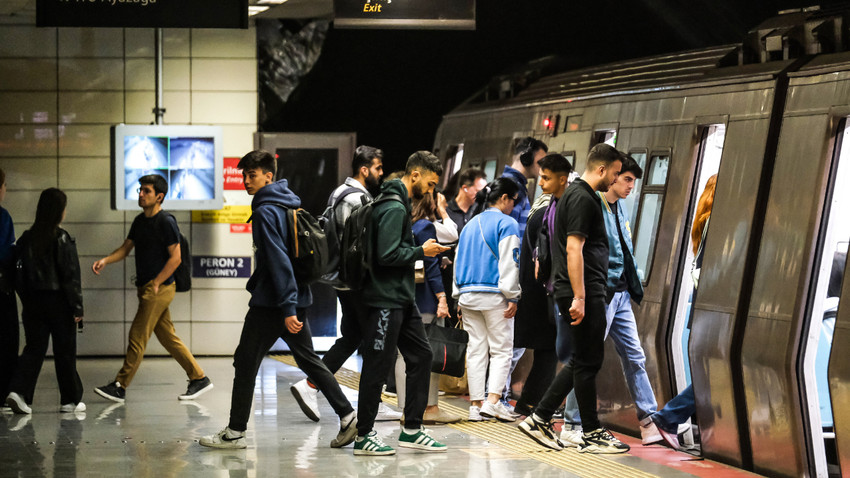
x=678 y=410
x=623 y=331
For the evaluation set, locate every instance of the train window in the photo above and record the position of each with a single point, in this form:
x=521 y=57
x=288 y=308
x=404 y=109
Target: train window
x=607 y=136
x=631 y=202
x=650 y=214
x=490 y=168
x=572 y=124
x=658 y=167
x=825 y=296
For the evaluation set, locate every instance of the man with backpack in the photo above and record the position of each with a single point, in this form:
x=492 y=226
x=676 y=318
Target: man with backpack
x=156 y=238
x=391 y=319
x=367 y=169
x=277 y=307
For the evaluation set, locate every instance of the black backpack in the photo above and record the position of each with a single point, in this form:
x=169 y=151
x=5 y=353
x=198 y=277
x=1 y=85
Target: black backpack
x=355 y=245
x=308 y=246
x=183 y=273
x=328 y=223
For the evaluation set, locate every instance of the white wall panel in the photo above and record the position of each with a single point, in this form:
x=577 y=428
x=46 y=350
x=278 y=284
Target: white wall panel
x=29 y=74
x=238 y=140
x=103 y=338
x=224 y=107
x=110 y=279
x=91 y=107
x=84 y=173
x=28 y=173
x=103 y=306
x=91 y=42
x=215 y=338
x=23 y=41
x=84 y=140
x=224 y=43
x=224 y=75
x=91 y=207
x=97 y=239
x=28 y=140
x=219 y=305
x=27 y=108
x=91 y=74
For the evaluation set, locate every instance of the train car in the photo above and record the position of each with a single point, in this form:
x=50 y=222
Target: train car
x=766 y=116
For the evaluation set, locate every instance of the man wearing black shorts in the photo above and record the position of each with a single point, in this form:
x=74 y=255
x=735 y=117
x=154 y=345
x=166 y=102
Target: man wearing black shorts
x=580 y=268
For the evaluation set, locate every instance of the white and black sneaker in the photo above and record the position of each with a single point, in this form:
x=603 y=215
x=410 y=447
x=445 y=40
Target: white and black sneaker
x=601 y=441
x=226 y=438
x=541 y=432
x=196 y=388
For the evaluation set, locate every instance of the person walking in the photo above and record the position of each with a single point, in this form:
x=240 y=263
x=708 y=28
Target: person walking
x=51 y=293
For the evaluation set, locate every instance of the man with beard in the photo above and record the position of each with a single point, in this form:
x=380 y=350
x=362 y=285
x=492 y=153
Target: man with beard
x=390 y=318
x=367 y=169
x=580 y=270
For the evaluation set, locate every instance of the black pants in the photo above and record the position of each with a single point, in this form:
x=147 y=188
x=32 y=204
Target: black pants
x=46 y=314
x=383 y=330
x=9 y=341
x=262 y=328
x=539 y=378
x=349 y=328
x=588 y=350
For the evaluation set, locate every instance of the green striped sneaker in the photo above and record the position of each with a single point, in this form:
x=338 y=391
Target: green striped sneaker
x=372 y=445
x=420 y=441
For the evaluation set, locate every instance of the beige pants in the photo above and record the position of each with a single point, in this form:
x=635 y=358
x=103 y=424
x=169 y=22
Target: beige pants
x=153 y=317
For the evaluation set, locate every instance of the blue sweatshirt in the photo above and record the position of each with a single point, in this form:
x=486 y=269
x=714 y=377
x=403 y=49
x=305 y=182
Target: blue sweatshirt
x=487 y=258
x=273 y=282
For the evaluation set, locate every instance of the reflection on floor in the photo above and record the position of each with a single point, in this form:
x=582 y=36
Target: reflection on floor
x=156 y=435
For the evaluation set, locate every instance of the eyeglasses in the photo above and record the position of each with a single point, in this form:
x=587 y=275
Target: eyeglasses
x=147 y=191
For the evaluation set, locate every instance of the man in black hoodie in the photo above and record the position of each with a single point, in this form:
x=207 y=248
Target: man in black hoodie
x=277 y=309
x=391 y=318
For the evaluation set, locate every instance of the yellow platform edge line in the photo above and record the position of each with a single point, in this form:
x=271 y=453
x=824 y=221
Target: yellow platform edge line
x=508 y=437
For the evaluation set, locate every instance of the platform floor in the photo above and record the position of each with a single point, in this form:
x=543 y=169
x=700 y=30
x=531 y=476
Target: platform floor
x=155 y=435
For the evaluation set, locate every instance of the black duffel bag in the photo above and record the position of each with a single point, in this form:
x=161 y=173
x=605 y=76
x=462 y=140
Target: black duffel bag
x=448 y=348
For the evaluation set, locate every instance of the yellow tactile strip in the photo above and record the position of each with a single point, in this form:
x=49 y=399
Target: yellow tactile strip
x=509 y=437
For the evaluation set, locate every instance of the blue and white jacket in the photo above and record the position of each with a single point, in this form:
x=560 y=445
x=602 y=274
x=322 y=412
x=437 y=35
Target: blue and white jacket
x=620 y=260
x=487 y=258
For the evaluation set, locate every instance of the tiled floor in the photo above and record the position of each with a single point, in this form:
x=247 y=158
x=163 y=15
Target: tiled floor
x=155 y=435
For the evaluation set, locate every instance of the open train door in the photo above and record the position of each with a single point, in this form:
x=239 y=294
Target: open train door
x=314 y=164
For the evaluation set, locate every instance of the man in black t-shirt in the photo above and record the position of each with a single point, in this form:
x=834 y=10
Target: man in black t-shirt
x=580 y=269
x=156 y=238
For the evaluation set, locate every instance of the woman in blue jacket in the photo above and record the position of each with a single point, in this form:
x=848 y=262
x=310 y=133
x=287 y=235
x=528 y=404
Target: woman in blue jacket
x=487 y=288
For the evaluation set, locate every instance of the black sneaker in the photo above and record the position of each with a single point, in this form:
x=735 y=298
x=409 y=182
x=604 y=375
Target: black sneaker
x=196 y=389
x=602 y=441
x=111 y=391
x=541 y=432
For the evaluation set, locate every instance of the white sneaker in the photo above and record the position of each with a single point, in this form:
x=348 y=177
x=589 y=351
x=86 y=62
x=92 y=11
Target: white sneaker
x=572 y=438
x=73 y=407
x=226 y=438
x=17 y=403
x=475 y=414
x=387 y=393
x=386 y=414
x=649 y=433
x=496 y=410
x=307 y=398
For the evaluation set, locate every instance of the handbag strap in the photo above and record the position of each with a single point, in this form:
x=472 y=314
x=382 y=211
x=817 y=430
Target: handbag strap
x=481 y=230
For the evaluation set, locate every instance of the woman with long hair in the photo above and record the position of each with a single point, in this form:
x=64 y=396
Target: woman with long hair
x=683 y=406
x=487 y=288
x=48 y=282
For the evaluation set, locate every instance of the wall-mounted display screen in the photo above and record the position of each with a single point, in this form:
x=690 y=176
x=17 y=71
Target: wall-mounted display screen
x=188 y=157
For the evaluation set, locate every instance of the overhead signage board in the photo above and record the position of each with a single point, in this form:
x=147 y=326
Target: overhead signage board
x=413 y=14
x=142 y=13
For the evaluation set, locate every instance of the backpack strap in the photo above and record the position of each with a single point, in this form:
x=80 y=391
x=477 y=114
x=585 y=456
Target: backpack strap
x=334 y=202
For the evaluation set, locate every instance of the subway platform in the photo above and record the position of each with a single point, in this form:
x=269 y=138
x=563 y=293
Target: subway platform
x=155 y=435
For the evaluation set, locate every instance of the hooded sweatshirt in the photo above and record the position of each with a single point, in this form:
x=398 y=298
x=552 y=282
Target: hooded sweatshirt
x=390 y=283
x=273 y=282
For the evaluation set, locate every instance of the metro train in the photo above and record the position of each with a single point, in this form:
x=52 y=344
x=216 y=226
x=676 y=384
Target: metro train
x=769 y=338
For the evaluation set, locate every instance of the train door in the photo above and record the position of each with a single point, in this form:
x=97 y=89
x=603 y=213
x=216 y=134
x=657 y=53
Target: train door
x=631 y=202
x=823 y=302
x=454 y=162
x=314 y=164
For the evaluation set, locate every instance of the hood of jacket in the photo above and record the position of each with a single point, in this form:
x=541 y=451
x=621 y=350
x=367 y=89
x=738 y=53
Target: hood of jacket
x=277 y=192
x=395 y=186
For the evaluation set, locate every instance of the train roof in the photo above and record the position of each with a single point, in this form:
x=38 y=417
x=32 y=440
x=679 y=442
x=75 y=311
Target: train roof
x=776 y=45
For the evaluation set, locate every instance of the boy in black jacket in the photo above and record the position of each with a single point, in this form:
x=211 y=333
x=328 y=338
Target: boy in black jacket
x=277 y=309
x=391 y=318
